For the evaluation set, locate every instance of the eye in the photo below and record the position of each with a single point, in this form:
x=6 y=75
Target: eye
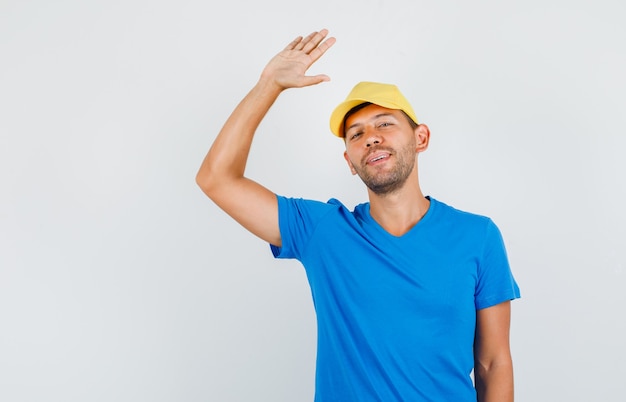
x=355 y=135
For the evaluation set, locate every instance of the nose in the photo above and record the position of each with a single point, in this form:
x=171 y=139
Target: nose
x=372 y=139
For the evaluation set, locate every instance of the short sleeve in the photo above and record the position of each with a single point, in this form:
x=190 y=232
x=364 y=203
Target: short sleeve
x=495 y=281
x=297 y=220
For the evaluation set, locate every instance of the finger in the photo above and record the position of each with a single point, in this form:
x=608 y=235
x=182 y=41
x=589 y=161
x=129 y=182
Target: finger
x=293 y=43
x=322 y=48
x=314 y=79
x=304 y=41
x=313 y=40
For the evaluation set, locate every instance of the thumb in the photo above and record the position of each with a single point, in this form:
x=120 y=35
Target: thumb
x=314 y=79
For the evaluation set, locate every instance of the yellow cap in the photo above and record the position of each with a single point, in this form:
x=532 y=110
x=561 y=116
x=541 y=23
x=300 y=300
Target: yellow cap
x=385 y=95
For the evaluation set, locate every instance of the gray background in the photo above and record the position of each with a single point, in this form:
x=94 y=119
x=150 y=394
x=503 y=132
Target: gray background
x=121 y=281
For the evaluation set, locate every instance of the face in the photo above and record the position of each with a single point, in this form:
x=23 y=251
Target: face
x=381 y=147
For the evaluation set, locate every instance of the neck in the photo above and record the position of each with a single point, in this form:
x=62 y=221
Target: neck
x=399 y=211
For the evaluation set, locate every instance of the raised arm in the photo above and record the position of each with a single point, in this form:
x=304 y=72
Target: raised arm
x=221 y=175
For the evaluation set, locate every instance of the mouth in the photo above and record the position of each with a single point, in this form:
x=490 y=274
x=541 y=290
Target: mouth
x=377 y=157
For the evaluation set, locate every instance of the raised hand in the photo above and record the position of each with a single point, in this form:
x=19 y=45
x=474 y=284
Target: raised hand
x=288 y=68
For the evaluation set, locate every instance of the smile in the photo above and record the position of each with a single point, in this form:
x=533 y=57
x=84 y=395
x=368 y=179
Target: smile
x=378 y=156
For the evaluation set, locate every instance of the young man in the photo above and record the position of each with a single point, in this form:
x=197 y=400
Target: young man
x=411 y=295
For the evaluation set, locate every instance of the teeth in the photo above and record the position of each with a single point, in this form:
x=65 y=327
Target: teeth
x=378 y=158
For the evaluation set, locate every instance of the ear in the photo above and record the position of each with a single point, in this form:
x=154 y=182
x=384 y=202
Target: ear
x=345 y=156
x=422 y=136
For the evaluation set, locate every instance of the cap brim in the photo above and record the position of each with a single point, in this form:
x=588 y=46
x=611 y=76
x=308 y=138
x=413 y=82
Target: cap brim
x=339 y=114
x=336 y=118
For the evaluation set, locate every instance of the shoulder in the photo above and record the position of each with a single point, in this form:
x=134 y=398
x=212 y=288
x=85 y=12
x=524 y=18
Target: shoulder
x=459 y=216
x=311 y=208
x=307 y=225
x=460 y=224
x=332 y=203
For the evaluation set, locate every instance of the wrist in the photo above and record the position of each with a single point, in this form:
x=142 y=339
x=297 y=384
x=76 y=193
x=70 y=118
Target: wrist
x=269 y=85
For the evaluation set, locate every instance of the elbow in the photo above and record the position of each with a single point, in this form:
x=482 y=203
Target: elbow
x=205 y=179
x=201 y=180
x=494 y=382
x=213 y=182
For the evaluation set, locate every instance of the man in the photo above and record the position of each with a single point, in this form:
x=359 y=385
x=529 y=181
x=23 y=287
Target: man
x=411 y=295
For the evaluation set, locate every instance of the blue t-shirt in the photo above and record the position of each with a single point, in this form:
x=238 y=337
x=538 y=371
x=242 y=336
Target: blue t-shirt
x=396 y=314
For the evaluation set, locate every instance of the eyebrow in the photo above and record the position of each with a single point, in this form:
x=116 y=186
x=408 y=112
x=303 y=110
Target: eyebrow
x=373 y=118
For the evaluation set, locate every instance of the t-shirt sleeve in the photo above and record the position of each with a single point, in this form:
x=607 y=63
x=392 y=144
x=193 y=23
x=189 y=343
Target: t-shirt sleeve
x=297 y=220
x=496 y=283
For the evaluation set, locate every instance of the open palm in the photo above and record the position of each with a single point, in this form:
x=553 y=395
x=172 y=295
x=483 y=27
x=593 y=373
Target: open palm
x=288 y=68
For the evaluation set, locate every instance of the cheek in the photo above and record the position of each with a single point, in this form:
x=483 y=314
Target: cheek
x=349 y=162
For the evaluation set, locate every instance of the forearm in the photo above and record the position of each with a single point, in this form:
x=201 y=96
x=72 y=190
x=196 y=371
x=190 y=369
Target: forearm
x=221 y=175
x=494 y=383
x=225 y=162
x=228 y=155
